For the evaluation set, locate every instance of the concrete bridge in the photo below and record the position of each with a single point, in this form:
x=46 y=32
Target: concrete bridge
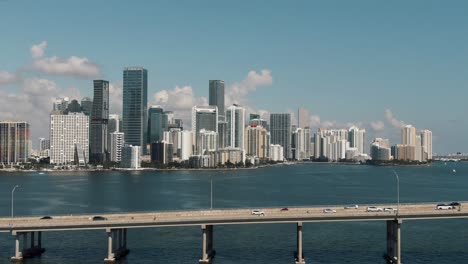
x=117 y=225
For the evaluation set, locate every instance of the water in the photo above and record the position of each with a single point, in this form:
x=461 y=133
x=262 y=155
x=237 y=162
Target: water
x=435 y=241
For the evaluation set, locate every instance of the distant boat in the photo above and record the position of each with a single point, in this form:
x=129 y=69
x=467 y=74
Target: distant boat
x=41 y=173
x=454 y=171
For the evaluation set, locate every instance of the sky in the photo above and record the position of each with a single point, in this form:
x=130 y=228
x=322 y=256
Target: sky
x=375 y=64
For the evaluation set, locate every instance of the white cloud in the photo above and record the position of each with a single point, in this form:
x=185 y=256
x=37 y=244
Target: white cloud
x=392 y=120
x=238 y=91
x=7 y=78
x=180 y=100
x=115 y=97
x=38 y=50
x=377 y=125
x=72 y=66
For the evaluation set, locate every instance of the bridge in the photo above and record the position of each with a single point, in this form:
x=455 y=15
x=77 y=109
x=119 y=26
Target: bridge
x=116 y=225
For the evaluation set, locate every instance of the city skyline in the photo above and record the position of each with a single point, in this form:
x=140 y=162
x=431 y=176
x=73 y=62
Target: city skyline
x=393 y=84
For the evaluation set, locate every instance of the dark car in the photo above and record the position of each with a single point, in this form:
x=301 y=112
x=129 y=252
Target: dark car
x=284 y=209
x=99 y=218
x=455 y=204
x=46 y=217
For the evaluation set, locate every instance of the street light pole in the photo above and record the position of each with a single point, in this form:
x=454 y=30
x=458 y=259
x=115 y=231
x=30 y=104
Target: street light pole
x=12 y=199
x=398 y=192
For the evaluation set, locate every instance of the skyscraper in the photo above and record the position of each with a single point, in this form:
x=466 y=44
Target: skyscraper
x=408 y=135
x=204 y=117
x=357 y=138
x=15 y=142
x=44 y=147
x=235 y=118
x=116 y=140
x=302 y=118
x=280 y=129
x=257 y=142
x=216 y=97
x=426 y=142
x=99 y=121
x=156 y=122
x=87 y=105
x=134 y=114
x=69 y=135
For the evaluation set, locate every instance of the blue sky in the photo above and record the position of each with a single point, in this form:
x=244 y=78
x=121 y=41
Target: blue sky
x=346 y=61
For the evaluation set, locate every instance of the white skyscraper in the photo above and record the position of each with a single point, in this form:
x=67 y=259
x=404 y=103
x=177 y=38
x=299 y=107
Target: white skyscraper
x=302 y=143
x=235 y=118
x=116 y=144
x=408 y=135
x=203 y=117
x=207 y=141
x=426 y=143
x=69 y=135
x=357 y=138
x=130 y=157
x=276 y=152
x=186 y=145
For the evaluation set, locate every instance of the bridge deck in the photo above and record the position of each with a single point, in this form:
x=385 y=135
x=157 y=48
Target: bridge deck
x=227 y=216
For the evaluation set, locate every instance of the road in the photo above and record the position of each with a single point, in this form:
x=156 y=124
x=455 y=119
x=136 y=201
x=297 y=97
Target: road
x=228 y=216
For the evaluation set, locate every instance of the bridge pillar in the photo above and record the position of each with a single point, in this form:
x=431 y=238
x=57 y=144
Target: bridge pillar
x=299 y=256
x=393 y=255
x=27 y=252
x=207 y=245
x=116 y=244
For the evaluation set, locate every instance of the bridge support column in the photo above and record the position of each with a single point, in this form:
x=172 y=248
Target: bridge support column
x=299 y=256
x=27 y=252
x=393 y=255
x=207 y=245
x=116 y=244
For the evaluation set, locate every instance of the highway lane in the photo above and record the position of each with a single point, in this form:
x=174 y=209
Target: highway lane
x=227 y=216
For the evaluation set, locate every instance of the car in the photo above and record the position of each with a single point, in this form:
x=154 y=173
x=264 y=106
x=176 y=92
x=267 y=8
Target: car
x=284 y=209
x=258 y=212
x=329 y=211
x=374 y=209
x=354 y=206
x=390 y=209
x=98 y=218
x=46 y=217
x=444 y=207
x=455 y=204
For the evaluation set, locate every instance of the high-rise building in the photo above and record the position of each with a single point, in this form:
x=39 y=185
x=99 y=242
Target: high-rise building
x=408 y=135
x=426 y=143
x=117 y=142
x=69 y=136
x=156 y=123
x=280 y=129
x=418 y=155
x=207 y=141
x=74 y=106
x=357 y=138
x=405 y=152
x=99 y=121
x=276 y=152
x=257 y=142
x=130 y=157
x=380 y=149
x=15 y=142
x=259 y=122
x=87 y=105
x=302 y=117
x=114 y=124
x=216 y=97
x=222 y=134
x=162 y=152
x=203 y=117
x=254 y=116
x=302 y=143
x=186 y=145
x=235 y=118
x=44 y=147
x=135 y=100
x=60 y=105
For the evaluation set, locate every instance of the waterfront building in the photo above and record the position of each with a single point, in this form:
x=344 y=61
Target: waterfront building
x=186 y=145
x=302 y=117
x=99 y=121
x=280 y=129
x=235 y=118
x=162 y=152
x=222 y=134
x=134 y=113
x=331 y=144
x=418 y=149
x=87 y=105
x=207 y=141
x=216 y=97
x=276 y=152
x=131 y=157
x=117 y=142
x=380 y=150
x=426 y=144
x=206 y=118
x=69 y=139
x=301 y=143
x=15 y=142
x=44 y=147
x=157 y=123
x=408 y=135
x=405 y=152
x=357 y=138
x=257 y=142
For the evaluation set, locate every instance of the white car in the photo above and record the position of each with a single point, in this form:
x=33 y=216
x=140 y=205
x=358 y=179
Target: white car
x=329 y=211
x=258 y=212
x=374 y=209
x=390 y=209
x=354 y=206
x=444 y=207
